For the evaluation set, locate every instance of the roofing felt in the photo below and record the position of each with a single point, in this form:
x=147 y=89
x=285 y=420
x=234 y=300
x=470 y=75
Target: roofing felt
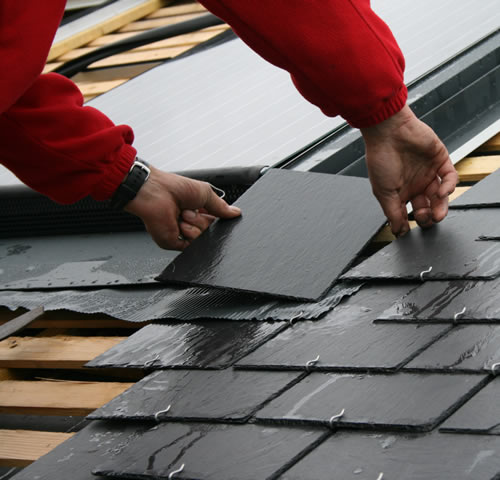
x=283 y=244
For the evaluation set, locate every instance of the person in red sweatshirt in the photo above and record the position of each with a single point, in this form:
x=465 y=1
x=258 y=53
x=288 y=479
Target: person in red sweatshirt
x=341 y=57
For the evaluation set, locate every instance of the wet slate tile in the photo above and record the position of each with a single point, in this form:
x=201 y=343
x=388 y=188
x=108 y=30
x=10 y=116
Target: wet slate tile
x=450 y=248
x=481 y=414
x=465 y=348
x=401 y=401
x=355 y=456
x=279 y=246
x=485 y=193
x=227 y=395
x=457 y=301
x=213 y=344
x=347 y=339
x=75 y=458
x=218 y=452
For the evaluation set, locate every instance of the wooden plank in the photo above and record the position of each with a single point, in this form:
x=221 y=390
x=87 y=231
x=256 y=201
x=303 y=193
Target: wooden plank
x=473 y=169
x=114 y=73
x=93 y=89
x=19 y=448
x=492 y=145
x=56 y=397
x=142 y=25
x=182 y=9
x=61 y=351
x=118 y=21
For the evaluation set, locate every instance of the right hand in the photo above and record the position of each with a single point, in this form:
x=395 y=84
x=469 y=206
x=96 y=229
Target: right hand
x=176 y=209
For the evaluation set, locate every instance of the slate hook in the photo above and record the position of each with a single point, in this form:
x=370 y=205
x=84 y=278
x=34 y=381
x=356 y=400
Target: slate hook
x=220 y=193
x=495 y=367
x=161 y=412
x=459 y=314
x=312 y=362
x=381 y=476
x=423 y=272
x=334 y=418
x=175 y=472
x=151 y=362
x=295 y=317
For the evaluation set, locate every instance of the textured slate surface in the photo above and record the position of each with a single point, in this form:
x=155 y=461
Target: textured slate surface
x=218 y=452
x=485 y=193
x=176 y=303
x=465 y=348
x=396 y=401
x=450 y=248
x=290 y=240
x=75 y=458
x=480 y=414
x=446 y=300
x=73 y=261
x=346 y=338
x=351 y=456
x=215 y=344
x=220 y=395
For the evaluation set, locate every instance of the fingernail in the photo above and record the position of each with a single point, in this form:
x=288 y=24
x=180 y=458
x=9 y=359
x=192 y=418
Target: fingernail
x=235 y=209
x=189 y=214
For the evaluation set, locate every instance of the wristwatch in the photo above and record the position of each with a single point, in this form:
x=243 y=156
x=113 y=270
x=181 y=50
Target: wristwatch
x=138 y=174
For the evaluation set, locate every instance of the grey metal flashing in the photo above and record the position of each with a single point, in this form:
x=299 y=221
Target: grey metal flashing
x=459 y=100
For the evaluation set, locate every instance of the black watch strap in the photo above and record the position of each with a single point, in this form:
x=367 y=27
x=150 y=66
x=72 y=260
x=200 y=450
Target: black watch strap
x=135 y=179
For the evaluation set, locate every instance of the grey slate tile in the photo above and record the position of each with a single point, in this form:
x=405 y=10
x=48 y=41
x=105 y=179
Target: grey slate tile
x=485 y=193
x=212 y=452
x=283 y=244
x=481 y=414
x=347 y=339
x=457 y=301
x=227 y=395
x=397 y=401
x=75 y=458
x=449 y=247
x=213 y=344
x=74 y=261
x=435 y=456
x=464 y=349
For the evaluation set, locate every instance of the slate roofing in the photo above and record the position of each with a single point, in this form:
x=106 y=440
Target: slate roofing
x=395 y=377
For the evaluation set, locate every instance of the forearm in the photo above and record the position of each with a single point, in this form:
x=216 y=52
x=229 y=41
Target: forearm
x=342 y=57
x=60 y=148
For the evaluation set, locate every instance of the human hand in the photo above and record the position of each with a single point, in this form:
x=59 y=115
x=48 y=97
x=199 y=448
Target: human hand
x=408 y=163
x=176 y=209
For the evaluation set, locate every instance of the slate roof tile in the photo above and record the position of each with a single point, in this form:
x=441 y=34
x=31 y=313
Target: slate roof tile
x=401 y=401
x=225 y=395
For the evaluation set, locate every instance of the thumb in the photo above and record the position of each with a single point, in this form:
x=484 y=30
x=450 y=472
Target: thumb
x=218 y=207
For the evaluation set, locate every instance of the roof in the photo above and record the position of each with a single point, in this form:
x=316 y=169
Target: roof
x=384 y=378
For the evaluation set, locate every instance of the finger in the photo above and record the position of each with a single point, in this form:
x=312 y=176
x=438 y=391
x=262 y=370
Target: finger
x=396 y=213
x=422 y=210
x=189 y=232
x=449 y=180
x=438 y=204
x=199 y=220
x=215 y=205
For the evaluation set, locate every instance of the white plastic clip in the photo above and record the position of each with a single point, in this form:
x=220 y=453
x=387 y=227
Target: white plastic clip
x=334 y=418
x=459 y=314
x=161 y=412
x=423 y=272
x=312 y=362
x=494 y=368
x=295 y=317
x=175 y=472
x=220 y=193
x=151 y=362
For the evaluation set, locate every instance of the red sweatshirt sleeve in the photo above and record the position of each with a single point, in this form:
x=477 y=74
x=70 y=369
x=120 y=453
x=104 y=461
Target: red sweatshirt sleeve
x=341 y=56
x=47 y=138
